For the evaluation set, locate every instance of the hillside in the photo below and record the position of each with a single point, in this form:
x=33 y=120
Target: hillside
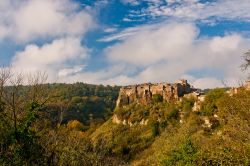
x=174 y=133
x=83 y=102
x=147 y=124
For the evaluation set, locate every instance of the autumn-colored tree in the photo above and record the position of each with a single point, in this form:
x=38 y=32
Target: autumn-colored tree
x=20 y=106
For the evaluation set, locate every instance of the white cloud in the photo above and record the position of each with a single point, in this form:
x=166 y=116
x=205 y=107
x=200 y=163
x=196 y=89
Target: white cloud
x=115 y=74
x=149 y=46
x=120 y=36
x=207 y=82
x=52 y=58
x=131 y=2
x=69 y=71
x=152 y=53
x=198 y=10
x=3 y=32
x=220 y=44
x=63 y=22
x=155 y=53
x=169 y=51
x=31 y=19
x=110 y=30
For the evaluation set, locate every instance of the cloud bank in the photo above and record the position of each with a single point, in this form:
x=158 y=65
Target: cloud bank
x=193 y=9
x=171 y=51
x=155 y=53
x=53 y=58
x=165 y=51
x=59 y=25
x=28 y=20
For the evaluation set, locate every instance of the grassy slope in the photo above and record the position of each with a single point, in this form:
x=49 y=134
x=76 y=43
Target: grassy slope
x=190 y=143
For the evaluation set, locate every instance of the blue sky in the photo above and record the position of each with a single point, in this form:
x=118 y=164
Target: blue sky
x=127 y=41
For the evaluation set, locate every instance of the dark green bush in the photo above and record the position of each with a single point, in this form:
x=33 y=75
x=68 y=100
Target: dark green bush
x=157 y=98
x=184 y=155
x=210 y=105
x=187 y=104
x=155 y=129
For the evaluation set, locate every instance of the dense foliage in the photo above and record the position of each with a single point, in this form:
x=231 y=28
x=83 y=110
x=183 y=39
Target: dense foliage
x=43 y=124
x=193 y=143
x=83 y=102
x=210 y=105
x=63 y=124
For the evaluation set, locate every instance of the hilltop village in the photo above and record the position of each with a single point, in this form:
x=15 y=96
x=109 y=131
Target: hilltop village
x=146 y=94
x=143 y=93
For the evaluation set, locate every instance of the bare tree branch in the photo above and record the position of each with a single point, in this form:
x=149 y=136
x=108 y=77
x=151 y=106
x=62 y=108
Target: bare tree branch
x=246 y=63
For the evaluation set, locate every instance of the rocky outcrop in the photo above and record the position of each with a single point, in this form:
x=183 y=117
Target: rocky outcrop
x=147 y=93
x=143 y=93
x=235 y=90
x=116 y=120
x=248 y=85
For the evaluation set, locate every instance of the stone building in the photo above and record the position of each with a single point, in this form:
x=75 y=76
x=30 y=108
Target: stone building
x=143 y=93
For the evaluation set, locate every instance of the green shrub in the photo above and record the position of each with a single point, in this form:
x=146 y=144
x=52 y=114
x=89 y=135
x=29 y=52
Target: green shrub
x=210 y=105
x=155 y=129
x=187 y=104
x=184 y=155
x=157 y=98
x=173 y=114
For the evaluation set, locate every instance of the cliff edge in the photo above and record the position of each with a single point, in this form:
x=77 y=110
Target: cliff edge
x=144 y=93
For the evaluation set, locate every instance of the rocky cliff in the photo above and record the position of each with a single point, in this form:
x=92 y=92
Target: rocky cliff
x=143 y=93
x=248 y=85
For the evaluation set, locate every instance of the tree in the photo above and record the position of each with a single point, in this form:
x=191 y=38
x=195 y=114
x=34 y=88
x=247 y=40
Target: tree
x=157 y=98
x=210 y=105
x=20 y=106
x=246 y=63
x=246 y=58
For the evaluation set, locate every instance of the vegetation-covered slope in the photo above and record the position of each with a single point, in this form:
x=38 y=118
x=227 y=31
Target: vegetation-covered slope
x=45 y=124
x=225 y=142
x=83 y=102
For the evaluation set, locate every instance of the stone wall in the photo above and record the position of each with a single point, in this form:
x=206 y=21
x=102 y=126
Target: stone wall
x=143 y=93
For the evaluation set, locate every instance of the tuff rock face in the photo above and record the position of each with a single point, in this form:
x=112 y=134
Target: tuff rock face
x=248 y=85
x=143 y=93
